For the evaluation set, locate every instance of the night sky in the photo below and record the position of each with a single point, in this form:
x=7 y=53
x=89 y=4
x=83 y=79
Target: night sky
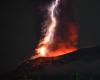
x=21 y=26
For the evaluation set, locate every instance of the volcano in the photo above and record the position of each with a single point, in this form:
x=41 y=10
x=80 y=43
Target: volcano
x=83 y=64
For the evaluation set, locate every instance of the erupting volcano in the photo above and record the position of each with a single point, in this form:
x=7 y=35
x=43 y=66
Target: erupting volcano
x=46 y=45
x=57 y=57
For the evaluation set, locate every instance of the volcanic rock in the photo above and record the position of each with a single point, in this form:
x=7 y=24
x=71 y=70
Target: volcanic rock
x=83 y=64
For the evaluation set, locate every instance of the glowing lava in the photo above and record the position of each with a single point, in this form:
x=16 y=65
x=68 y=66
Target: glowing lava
x=43 y=48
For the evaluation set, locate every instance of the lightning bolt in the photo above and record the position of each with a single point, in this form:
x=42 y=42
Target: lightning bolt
x=42 y=49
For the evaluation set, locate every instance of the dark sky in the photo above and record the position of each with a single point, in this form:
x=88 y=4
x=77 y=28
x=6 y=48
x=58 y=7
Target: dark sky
x=21 y=23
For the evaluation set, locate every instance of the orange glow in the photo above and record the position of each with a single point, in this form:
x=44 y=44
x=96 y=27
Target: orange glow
x=61 y=51
x=43 y=49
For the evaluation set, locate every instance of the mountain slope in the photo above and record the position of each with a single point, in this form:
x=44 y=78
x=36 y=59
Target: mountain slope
x=83 y=64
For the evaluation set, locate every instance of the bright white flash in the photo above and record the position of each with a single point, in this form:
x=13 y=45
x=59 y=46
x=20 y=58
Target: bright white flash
x=42 y=49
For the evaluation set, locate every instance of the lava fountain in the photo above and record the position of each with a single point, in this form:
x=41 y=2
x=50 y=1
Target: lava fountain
x=44 y=47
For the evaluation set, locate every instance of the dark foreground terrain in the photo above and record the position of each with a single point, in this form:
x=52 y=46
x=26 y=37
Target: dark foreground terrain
x=83 y=64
